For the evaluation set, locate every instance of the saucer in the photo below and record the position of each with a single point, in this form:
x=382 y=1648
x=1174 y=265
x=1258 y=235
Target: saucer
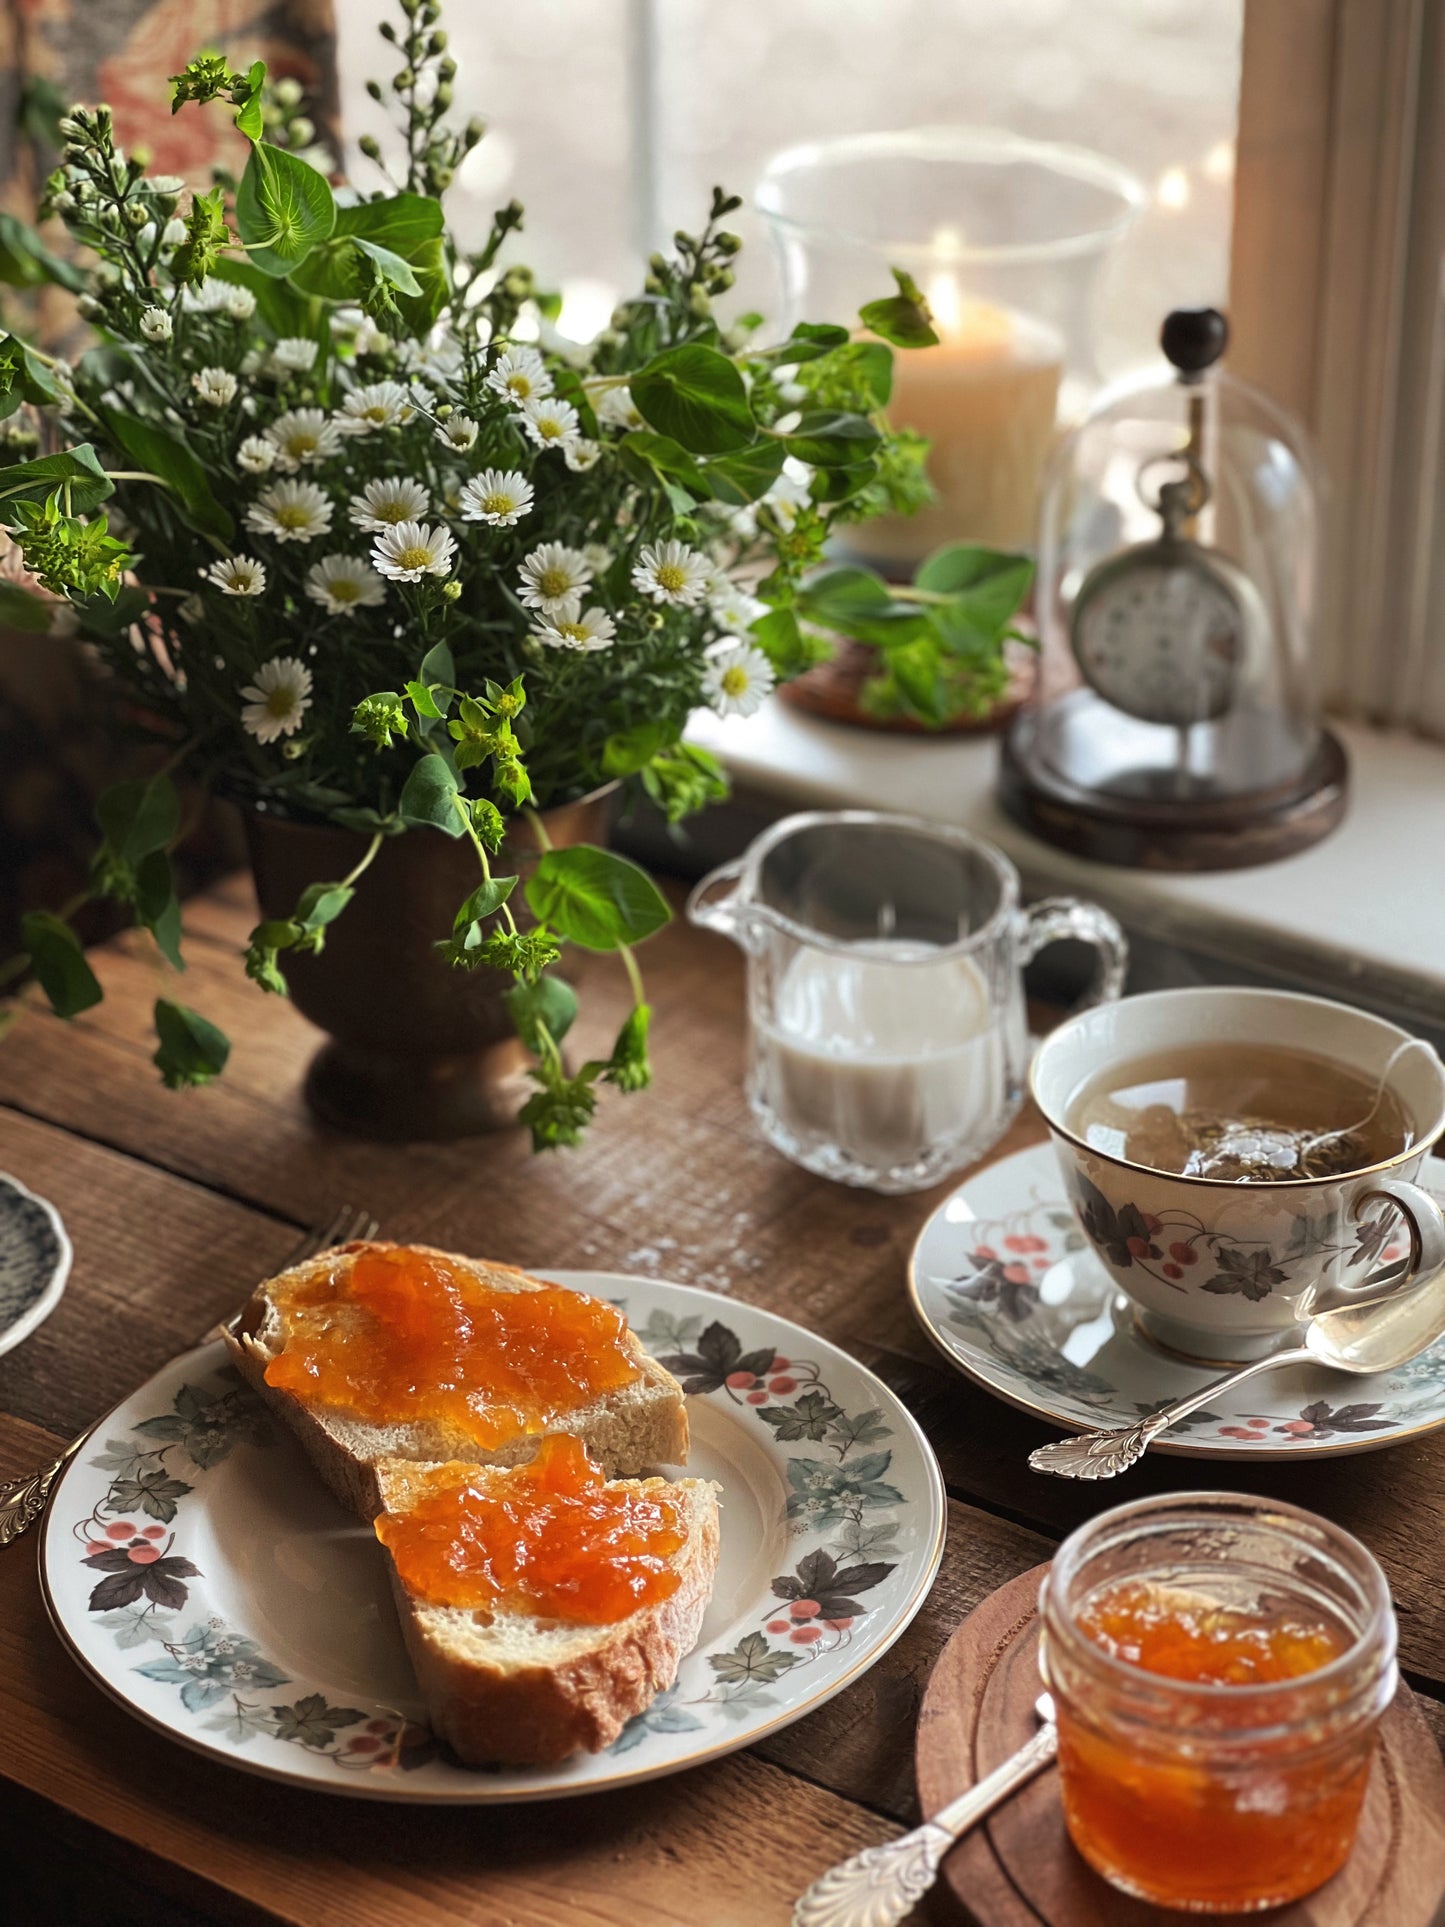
x=1005 y=1285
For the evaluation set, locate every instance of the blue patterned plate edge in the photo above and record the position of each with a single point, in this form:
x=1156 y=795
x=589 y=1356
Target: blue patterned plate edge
x=46 y=1246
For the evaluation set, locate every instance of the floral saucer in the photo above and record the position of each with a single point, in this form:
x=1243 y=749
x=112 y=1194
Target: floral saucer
x=34 y=1261
x=199 y=1572
x=1004 y=1284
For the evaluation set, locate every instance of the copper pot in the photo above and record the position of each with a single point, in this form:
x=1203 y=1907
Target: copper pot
x=417 y=1048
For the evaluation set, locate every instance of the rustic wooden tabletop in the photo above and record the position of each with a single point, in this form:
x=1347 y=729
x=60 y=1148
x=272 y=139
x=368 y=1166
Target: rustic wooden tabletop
x=177 y=1203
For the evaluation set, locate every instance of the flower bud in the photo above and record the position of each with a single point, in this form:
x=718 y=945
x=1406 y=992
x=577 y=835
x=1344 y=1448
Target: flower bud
x=727 y=243
x=698 y=304
x=443 y=178
x=370 y=146
x=288 y=92
x=88 y=308
x=658 y=263
x=475 y=128
x=302 y=131
x=135 y=214
x=401 y=81
x=447 y=69
x=373 y=87
x=442 y=98
x=452 y=589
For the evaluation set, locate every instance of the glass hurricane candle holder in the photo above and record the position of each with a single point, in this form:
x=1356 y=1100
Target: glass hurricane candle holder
x=1219 y=1665
x=1006 y=238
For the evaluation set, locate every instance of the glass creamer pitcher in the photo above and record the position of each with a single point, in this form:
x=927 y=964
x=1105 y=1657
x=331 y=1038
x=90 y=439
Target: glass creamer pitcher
x=888 y=1040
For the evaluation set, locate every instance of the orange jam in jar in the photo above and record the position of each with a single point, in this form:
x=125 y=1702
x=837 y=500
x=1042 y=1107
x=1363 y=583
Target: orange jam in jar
x=395 y=1336
x=550 y=1538
x=1219 y=1665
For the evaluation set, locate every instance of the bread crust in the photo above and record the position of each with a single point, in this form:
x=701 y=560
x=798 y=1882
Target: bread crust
x=627 y=1432
x=493 y=1710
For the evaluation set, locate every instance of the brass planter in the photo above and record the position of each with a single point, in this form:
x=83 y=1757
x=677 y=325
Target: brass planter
x=417 y=1048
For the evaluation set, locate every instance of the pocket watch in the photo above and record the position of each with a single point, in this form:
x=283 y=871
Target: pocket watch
x=1162 y=630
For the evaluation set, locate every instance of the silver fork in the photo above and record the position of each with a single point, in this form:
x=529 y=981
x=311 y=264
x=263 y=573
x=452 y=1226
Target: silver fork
x=23 y=1501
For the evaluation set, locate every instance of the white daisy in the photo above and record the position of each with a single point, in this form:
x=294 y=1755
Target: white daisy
x=257 y=455
x=519 y=375
x=597 y=557
x=419 y=399
x=341 y=583
x=616 y=407
x=438 y=360
x=382 y=504
x=303 y=435
x=174 y=232
x=236 y=301
x=413 y=549
x=790 y=492
x=581 y=455
x=294 y=355
x=291 y=511
x=551 y=424
x=499 y=496
x=215 y=386
x=156 y=325
x=575 y=629
x=209 y=298
x=551 y=577
x=458 y=433
x=672 y=572
x=366 y=337
x=236 y=575
x=277 y=700
x=737 y=678
x=732 y=607
x=379 y=405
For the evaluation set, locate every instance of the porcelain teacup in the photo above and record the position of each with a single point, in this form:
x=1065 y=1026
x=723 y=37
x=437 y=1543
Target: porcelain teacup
x=1221 y=1269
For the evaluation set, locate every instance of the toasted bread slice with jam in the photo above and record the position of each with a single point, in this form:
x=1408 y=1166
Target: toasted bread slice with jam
x=509 y=1685
x=630 y=1428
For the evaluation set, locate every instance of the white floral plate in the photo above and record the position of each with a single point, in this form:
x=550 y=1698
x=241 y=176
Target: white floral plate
x=1006 y=1287
x=201 y=1575
x=35 y=1259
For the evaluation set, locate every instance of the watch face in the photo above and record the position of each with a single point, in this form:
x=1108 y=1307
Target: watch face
x=1160 y=636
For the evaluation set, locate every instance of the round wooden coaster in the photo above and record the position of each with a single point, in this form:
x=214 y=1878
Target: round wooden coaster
x=1019 y=1869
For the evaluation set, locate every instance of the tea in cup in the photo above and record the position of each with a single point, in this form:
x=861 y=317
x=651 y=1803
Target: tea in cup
x=1241 y=1160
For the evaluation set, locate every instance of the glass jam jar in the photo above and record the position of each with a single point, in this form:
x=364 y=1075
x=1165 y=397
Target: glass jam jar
x=1219 y=1665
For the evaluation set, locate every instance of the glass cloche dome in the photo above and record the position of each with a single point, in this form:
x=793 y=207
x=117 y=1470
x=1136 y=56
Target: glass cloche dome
x=1175 y=719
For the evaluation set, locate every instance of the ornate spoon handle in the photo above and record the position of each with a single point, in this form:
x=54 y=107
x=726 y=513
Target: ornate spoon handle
x=1104 y=1455
x=22 y=1502
x=878 y=1886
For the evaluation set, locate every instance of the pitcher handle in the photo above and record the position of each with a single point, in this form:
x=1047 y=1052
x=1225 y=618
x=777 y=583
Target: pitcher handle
x=1052 y=918
x=1424 y=1225
x=725 y=916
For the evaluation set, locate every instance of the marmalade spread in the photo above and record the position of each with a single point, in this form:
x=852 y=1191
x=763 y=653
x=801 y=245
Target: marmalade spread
x=550 y=1538
x=1208 y=1817
x=393 y=1336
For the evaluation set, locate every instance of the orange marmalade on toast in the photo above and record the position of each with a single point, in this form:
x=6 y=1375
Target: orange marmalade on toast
x=550 y=1538
x=393 y=1336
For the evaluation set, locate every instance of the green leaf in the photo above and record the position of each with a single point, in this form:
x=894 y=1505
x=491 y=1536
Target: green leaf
x=809 y=340
x=844 y=596
x=335 y=269
x=989 y=583
x=23 y=377
x=549 y=1001
x=423 y=701
x=426 y=796
x=916 y=669
x=35 y=481
x=59 y=963
x=429 y=264
x=404 y=223
x=248 y=117
x=745 y=476
x=628 y=1067
x=103 y=617
x=284 y=209
x=629 y=749
x=139 y=816
x=280 y=306
x=830 y=438
x=783 y=643
x=25 y=261
x=595 y=898
x=437 y=666
x=158 y=906
x=654 y=458
x=19 y=609
x=485 y=901
x=190 y=1050
x=322 y=903
x=903 y=318
x=697 y=396
x=163 y=454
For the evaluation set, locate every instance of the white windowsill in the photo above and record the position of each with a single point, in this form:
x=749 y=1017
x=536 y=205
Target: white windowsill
x=1363 y=908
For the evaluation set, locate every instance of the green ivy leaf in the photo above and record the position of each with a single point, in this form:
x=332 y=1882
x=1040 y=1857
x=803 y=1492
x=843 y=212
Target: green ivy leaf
x=248 y=116
x=485 y=901
x=59 y=963
x=426 y=796
x=903 y=318
x=139 y=816
x=809 y=340
x=595 y=898
x=23 y=377
x=25 y=261
x=989 y=584
x=322 y=903
x=158 y=907
x=284 y=209
x=549 y=1001
x=628 y=1067
x=630 y=749
x=696 y=396
x=424 y=702
x=190 y=1049
x=745 y=476
x=830 y=438
x=36 y=481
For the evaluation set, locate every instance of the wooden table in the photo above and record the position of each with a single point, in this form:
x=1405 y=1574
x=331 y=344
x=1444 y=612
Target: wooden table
x=177 y=1203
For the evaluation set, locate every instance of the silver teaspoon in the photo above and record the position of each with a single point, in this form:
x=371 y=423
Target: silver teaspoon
x=1356 y=1338
x=878 y=1886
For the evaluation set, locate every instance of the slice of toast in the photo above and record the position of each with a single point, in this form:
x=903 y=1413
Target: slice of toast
x=513 y=1689
x=640 y=1425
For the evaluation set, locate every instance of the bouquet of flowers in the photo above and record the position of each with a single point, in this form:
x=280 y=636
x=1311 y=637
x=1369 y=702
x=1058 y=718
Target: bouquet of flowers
x=367 y=542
